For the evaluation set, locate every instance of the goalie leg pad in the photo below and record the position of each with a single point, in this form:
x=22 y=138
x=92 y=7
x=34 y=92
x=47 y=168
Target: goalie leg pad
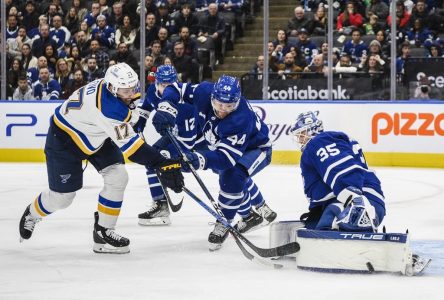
x=336 y=251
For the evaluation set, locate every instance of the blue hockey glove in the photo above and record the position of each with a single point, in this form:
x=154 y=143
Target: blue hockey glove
x=358 y=215
x=196 y=159
x=139 y=126
x=165 y=117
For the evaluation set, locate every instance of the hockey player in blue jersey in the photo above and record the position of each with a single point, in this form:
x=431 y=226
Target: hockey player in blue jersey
x=343 y=193
x=95 y=124
x=239 y=147
x=167 y=97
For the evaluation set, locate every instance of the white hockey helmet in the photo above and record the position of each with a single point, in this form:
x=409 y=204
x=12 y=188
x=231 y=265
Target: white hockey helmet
x=121 y=76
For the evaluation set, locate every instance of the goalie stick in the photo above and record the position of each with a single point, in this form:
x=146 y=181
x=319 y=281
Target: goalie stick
x=282 y=250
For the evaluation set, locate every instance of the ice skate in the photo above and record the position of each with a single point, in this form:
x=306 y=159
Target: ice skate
x=419 y=264
x=158 y=214
x=27 y=224
x=217 y=236
x=106 y=240
x=249 y=223
x=267 y=213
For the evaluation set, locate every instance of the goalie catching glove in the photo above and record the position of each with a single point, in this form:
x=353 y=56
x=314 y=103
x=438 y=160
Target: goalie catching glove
x=165 y=117
x=169 y=173
x=358 y=213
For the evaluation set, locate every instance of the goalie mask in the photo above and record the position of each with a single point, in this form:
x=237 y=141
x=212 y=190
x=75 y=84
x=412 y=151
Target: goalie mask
x=307 y=126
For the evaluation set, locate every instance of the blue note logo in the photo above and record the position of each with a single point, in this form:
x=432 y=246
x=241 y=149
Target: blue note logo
x=65 y=178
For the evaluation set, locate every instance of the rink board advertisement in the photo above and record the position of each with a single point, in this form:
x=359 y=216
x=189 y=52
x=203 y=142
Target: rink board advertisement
x=391 y=134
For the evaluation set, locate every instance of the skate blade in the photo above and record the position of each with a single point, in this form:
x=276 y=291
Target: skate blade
x=214 y=247
x=108 y=249
x=418 y=269
x=160 y=221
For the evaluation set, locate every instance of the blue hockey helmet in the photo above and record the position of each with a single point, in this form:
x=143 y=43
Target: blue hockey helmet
x=166 y=74
x=226 y=94
x=307 y=125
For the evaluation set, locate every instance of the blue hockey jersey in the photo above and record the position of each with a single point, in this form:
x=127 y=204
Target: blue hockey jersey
x=47 y=91
x=181 y=96
x=355 y=50
x=106 y=38
x=231 y=137
x=331 y=162
x=60 y=36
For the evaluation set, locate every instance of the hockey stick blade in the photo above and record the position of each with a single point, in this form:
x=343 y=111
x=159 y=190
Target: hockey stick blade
x=282 y=250
x=253 y=258
x=174 y=207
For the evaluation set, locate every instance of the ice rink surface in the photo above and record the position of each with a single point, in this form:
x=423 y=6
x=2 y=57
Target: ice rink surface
x=174 y=262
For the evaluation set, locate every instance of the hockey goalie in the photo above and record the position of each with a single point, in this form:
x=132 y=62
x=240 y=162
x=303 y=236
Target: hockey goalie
x=346 y=207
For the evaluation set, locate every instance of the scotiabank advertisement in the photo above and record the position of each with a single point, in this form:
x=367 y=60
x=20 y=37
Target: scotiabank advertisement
x=379 y=127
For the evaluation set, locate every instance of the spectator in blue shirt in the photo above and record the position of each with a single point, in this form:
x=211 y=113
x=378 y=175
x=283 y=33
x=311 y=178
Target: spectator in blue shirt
x=46 y=88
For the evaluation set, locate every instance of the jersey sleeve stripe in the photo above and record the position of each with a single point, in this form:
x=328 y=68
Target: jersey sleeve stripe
x=373 y=192
x=343 y=172
x=336 y=163
x=223 y=145
x=78 y=137
x=190 y=139
x=325 y=198
x=132 y=146
x=231 y=159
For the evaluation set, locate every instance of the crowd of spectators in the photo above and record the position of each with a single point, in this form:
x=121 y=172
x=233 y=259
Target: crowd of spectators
x=58 y=45
x=361 y=38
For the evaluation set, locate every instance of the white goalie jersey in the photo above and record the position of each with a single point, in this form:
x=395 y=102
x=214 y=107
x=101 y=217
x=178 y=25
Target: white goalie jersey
x=92 y=114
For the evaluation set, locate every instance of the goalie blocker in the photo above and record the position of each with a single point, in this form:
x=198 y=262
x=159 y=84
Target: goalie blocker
x=339 y=251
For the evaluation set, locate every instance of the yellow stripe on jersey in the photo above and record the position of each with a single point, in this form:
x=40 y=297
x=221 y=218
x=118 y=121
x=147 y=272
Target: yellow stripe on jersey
x=74 y=137
x=107 y=210
x=99 y=96
x=128 y=117
x=134 y=147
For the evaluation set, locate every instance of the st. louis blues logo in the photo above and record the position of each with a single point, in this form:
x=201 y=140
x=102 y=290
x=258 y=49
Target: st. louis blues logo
x=65 y=177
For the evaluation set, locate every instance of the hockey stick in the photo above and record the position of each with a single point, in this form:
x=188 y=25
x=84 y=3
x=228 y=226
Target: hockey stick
x=268 y=252
x=174 y=207
x=231 y=229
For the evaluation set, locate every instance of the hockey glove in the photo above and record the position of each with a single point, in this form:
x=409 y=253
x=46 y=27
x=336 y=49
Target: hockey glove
x=196 y=159
x=141 y=123
x=358 y=215
x=165 y=117
x=169 y=173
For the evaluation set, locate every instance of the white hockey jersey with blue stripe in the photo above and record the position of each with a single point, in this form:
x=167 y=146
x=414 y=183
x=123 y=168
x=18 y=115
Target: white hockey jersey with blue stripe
x=92 y=114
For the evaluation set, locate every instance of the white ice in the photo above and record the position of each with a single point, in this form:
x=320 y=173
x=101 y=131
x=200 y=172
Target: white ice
x=174 y=262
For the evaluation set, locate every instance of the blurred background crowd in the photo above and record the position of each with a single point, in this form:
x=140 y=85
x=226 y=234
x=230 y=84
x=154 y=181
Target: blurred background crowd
x=56 y=46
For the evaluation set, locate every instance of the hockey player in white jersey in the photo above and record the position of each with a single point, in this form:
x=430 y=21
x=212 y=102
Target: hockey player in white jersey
x=95 y=124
